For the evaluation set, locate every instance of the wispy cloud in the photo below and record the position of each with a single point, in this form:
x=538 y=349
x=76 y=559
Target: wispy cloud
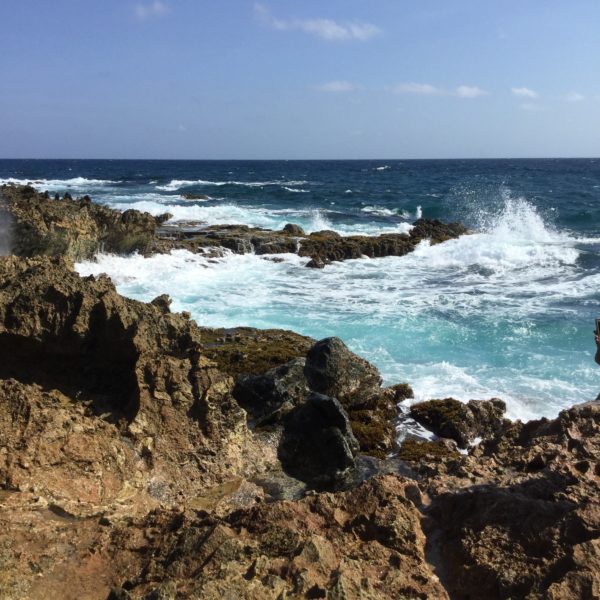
x=424 y=89
x=524 y=92
x=469 y=91
x=151 y=9
x=574 y=97
x=427 y=89
x=337 y=86
x=326 y=29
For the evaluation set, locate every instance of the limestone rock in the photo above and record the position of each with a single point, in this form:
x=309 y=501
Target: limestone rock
x=76 y=229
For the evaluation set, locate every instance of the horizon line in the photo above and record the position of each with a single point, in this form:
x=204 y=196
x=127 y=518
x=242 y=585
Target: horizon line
x=310 y=159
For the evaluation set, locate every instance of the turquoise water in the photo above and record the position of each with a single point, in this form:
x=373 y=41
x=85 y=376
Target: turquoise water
x=506 y=312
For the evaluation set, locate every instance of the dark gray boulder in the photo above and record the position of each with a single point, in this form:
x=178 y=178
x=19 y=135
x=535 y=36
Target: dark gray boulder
x=332 y=369
x=293 y=229
x=267 y=397
x=317 y=445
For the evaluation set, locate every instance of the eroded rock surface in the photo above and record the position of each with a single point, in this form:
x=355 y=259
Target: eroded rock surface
x=128 y=469
x=76 y=229
x=131 y=369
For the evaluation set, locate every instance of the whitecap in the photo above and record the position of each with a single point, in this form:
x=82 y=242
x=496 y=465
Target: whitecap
x=176 y=184
x=55 y=184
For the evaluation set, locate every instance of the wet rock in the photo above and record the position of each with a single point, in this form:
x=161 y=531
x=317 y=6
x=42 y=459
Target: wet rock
x=190 y=196
x=315 y=263
x=461 y=422
x=318 y=445
x=436 y=231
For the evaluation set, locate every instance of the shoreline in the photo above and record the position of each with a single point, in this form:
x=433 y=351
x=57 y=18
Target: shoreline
x=198 y=436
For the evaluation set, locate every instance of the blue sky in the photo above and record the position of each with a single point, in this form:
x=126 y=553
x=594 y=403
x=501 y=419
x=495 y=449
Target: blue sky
x=282 y=79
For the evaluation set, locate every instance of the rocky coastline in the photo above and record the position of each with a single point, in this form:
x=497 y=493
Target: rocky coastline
x=144 y=456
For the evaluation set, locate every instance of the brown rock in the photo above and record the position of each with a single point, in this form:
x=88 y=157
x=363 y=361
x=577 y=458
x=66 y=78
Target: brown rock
x=76 y=229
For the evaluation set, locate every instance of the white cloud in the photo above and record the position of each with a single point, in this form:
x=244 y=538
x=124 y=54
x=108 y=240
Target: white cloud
x=574 y=97
x=469 y=91
x=426 y=89
x=337 y=86
x=152 y=9
x=524 y=92
x=326 y=29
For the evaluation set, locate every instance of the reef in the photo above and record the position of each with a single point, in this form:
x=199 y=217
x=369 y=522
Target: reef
x=79 y=228
x=143 y=456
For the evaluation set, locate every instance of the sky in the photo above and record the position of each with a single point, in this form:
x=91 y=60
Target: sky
x=276 y=79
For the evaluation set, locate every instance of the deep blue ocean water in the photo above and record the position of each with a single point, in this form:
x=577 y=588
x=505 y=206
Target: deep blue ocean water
x=508 y=311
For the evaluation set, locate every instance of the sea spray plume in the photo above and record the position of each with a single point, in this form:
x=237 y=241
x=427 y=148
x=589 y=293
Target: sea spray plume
x=319 y=221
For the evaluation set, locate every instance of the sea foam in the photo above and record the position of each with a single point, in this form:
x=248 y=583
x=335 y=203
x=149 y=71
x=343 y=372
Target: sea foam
x=465 y=318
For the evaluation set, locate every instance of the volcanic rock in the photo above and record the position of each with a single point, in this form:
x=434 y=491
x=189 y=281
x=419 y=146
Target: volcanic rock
x=461 y=422
x=318 y=445
x=332 y=369
x=293 y=229
x=273 y=393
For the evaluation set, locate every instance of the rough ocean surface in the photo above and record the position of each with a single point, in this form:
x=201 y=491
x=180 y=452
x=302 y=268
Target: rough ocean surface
x=143 y=456
x=505 y=312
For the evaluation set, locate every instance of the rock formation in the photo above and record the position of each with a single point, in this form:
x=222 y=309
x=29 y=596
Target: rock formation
x=76 y=229
x=145 y=457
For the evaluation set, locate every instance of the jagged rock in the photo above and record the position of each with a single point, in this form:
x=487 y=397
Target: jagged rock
x=270 y=395
x=365 y=543
x=315 y=263
x=76 y=229
x=332 y=369
x=326 y=246
x=318 y=445
x=461 y=422
x=520 y=516
x=436 y=231
x=128 y=364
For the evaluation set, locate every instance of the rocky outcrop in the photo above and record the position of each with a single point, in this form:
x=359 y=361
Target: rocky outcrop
x=463 y=423
x=327 y=246
x=118 y=368
x=245 y=350
x=322 y=247
x=76 y=229
x=329 y=368
x=240 y=239
x=520 y=515
x=128 y=469
x=366 y=543
x=332 y=369
x=270 y=396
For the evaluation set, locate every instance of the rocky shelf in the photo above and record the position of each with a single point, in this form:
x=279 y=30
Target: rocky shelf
x=144 y=456
x=78 y=228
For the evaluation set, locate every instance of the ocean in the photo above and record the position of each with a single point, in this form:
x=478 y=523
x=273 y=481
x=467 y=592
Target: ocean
x=505 y=312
